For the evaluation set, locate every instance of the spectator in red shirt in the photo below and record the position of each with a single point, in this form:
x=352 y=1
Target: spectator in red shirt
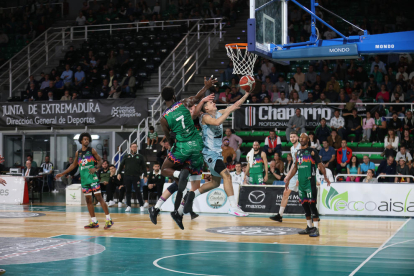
x=343 y=157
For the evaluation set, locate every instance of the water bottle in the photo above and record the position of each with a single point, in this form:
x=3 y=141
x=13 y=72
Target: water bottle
x=322 y=182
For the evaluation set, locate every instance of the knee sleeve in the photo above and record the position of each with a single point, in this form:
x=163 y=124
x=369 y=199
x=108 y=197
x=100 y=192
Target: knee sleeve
x=182 y=182
x=314 y=210
x=307 y=208
x=172 y=188
x=219 y=167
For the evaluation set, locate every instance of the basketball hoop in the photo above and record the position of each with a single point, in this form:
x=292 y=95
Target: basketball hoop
x=243 y=60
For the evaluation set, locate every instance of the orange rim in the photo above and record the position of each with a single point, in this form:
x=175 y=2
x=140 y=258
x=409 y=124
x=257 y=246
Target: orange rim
x=242 y=46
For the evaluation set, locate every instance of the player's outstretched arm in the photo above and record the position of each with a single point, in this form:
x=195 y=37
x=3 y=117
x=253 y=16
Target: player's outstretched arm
x=190 y=101
x=197 y=109
x=69 y=169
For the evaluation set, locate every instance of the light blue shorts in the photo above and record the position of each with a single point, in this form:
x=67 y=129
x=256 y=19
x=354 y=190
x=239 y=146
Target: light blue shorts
x=211 y=157
x=292 y=183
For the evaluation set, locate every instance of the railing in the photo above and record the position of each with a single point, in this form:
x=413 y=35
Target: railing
x=120 y=153
x=38 y=5
x=184 y=62
x=378 y=177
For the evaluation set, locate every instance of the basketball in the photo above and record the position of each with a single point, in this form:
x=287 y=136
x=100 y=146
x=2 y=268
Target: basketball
x=247 y=83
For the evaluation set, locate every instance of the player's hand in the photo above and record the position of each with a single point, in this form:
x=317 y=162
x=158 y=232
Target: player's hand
x=286 y=180
x=328 y=183
x=3 y=182
x=210 y=82
x=92 y=170
x=286 y=185
x=119 y=177
x=59 y=175
x=265 y=178
x=207 y=99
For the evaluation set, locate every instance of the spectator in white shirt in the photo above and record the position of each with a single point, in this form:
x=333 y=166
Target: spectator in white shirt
x=329 y=34
x=282 y=99
x=266 y=67
x=237 y=177
x=302 y=93
x=292 y=85
x=390 y=144
x=338 y=123
x=80 y=20
x=404 y=154
x=401 y=75
x=381 y=65
x=320 y=179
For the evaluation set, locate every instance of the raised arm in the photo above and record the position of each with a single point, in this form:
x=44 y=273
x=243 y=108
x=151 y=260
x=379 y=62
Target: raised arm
x=198 y=107
x=189 y=102
x=69 y=169
x=226 y=112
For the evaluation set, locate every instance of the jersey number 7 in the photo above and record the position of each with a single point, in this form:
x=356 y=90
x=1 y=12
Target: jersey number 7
x=182 y=120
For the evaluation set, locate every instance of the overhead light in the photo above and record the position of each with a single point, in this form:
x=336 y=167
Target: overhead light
x=94 y=137
x=46 y=140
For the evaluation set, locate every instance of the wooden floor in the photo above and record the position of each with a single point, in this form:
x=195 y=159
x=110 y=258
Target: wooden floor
x=141 y=248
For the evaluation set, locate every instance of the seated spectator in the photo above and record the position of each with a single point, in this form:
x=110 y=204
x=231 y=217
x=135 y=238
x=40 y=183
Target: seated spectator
x=377 y=74
x=366 y=165
x=296 y=123
x=225 y=96
x=379 y=129
x=235 y=142
x=263 y=93
x=228 y=151
x=327 y=155
x=310 y=77
x=79 y=77
x=75 y=96
x=334 y=140
x=322 y=99
x=50 y=96
x=397 y=108
x=274 y=173
x=401 y=75
x=273 y=76
x=309 y=99
x=367 y=124
x=93 y=78
x=235 y=95
x=353 y=168
x=322 y=131
x=292 y=85
x=295 y=98
x=355 y=99
x=343 y=157
x=128 y=83
x=381 y=66
x=111 y=62
x=266 y=67
x=338 y=123
x=155 y=183
x=115 y=91
x=390 y=144
x=354 y=125
x=90 y=18
x=45 y=83
x=267 y=100
x=59 y=85
x=395 y=123
x=302 y=93
x=331 y=94
x=268 y=83
x=165 y=149
x=405 y=155
x=67 y=76
x=314 y=142
x=383 y=96
x=122 y=59
x=80 y=20
x=320 y=178
x=288 y=164
x=272 y=144
x=30 y=94
x=104 y=90
x=299 y=76
x=387 y=167
x=283 y=86
x=370 y=178
x=114 y=185
x=40 y=96
x=152 y=138
x=409 y=121
x=278 y=162
x=31 y=81
x=282 y=99
x=227 y=74
x=335 y=84
x=66 y=96
x=238 y=176
x=407 y=142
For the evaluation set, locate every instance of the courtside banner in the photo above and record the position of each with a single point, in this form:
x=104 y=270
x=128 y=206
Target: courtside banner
x=274 y=116
x=267 y=199
x=376 y=199
x=117 y=112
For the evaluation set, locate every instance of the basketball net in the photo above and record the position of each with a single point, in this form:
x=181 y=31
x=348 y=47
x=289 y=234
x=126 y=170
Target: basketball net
x=243 y=60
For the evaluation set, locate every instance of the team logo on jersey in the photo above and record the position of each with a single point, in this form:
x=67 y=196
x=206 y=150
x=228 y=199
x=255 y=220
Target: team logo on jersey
x=84 y=162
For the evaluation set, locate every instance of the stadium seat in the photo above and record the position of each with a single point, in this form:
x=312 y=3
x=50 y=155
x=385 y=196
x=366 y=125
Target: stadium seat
x=249 y=144
x=281 y=133
x=262 y=144
x=243 y=133
x=284 y=144
x=364 y=145
x=352 y=144
x=378 y=145
x=376 y=156
x=257 y=133
x=284 y=156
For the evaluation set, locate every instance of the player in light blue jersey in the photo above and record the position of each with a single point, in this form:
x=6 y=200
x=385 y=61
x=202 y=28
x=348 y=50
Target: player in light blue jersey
x=212 y=129
x=293 y=183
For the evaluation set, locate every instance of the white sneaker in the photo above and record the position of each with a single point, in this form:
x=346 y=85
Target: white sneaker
x=55 y=191
x=119 y=204
x=128 y=209
x=142 y=209
x=111 y=203
x=98 y=204
x=236 y=211
x=146 y=205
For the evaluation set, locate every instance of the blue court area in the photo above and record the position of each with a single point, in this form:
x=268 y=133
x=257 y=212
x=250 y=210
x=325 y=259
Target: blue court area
x=136 y=256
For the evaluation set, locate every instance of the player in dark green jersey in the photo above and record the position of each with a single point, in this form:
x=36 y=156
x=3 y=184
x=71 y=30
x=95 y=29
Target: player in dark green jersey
x=86 y=158
x=187 y=144
x=307 y=160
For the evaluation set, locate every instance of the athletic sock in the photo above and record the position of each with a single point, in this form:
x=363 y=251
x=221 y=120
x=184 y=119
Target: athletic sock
x=196 y=193
x=94 y=220
x=108 y=217
x=176 y=174
x=232 y=202
x=181 y=209
x=281 y=210
x=160 y=202
x=309 y=222
x=316 y=223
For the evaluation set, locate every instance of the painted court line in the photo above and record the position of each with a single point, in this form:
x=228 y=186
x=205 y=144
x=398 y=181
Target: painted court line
x=379 y=249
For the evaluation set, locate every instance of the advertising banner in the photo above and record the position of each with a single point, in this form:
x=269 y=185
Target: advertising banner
x=267 y=199
x=74 y=113
x=277 y=116
x=214 y=201
x=376 y=199
x=13 y=192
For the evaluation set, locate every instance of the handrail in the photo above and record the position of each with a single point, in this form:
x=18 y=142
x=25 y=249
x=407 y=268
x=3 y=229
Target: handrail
x=119 y=154
x=339 y=175
x=364 y=175
x=38 y=5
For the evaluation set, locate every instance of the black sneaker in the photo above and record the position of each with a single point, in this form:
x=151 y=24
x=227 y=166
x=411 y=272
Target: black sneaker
x=314 y=233
x=307 y=231
x=188 y=205
x=153 y=213
x=277 y=218
x=178 y=219
x=193 y=215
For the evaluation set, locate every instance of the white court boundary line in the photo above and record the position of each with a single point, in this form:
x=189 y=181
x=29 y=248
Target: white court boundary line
x=155 y=263
x=380 y=248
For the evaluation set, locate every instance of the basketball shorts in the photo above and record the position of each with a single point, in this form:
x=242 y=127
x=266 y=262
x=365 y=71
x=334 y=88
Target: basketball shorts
x=87 y=189
x=292 y=183
x=188 y=153
x=256 y=178
x=211 y=157
x=308 y=191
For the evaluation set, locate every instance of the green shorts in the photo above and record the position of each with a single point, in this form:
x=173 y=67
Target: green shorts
x=188 y=153
x=92 y=187
x=308 y=191
x=256 y=178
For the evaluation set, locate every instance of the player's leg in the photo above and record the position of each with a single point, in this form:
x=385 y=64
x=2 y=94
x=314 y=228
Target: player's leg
x=108 y=221
x=154 y=211
x=313 y=207
x=305 y=195
x=87 y=190
x=286 y=193
x=228 y=188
